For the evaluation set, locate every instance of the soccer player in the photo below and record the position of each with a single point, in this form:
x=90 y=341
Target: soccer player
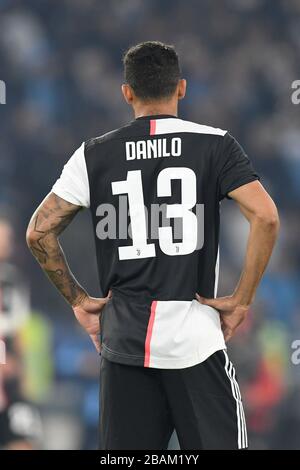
x=154 y=188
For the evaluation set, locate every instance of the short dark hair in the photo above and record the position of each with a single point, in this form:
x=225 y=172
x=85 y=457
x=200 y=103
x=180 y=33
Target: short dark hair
x=152 y=69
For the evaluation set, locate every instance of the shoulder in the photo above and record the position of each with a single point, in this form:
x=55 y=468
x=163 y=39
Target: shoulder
x=110 y=136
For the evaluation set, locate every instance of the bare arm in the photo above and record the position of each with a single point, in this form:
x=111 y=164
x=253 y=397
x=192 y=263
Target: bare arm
x=47 y=223
x=260 y=211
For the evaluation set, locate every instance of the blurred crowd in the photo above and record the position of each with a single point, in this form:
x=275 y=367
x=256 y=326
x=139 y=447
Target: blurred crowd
x=61 y=62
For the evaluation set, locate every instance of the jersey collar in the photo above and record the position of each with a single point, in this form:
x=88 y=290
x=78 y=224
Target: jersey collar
x=156 y=116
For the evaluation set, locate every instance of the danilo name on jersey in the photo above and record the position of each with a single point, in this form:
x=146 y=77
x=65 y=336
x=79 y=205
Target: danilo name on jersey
x=153 y=148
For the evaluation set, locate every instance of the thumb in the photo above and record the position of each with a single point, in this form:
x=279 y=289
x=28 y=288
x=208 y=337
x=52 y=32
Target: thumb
x=104 y=300
x=205 y=301
x=96 y=305
x=109 y=295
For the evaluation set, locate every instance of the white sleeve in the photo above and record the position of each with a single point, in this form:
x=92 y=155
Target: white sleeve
x=73 y=184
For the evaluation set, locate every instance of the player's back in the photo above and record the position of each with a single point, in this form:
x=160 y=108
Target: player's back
x=155 y=187
x=157 y=177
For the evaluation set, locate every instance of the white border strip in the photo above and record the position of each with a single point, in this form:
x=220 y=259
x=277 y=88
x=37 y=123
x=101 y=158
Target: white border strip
x=175 y=125
x=241 y=423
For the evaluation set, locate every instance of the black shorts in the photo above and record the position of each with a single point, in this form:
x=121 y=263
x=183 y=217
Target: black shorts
x=140 y=407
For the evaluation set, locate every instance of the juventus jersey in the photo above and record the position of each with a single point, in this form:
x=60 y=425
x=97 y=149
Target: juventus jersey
x=154 y=189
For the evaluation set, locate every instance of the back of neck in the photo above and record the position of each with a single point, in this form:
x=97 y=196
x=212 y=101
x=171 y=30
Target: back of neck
x=153 y=109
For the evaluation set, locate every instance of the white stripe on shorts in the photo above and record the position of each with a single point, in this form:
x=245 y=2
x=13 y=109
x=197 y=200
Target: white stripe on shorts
x=241 y=423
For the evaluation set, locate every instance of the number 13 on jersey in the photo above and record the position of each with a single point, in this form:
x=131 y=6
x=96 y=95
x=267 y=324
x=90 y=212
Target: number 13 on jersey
x=133 y=187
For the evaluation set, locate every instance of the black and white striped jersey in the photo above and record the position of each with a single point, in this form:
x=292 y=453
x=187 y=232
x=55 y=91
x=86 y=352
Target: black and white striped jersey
x=154 y=188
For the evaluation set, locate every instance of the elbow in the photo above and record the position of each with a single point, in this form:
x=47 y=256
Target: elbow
x=269 y=220
x=31 y=237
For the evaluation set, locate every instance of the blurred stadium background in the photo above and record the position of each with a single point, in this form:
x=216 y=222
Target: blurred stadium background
x=61 y=62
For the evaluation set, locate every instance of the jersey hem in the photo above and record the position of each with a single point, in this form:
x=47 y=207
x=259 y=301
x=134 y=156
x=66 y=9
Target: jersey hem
x=161 y=363
x=119 y=358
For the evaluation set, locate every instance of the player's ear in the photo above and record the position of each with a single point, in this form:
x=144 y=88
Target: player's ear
x=127 y=93
x=181 y=89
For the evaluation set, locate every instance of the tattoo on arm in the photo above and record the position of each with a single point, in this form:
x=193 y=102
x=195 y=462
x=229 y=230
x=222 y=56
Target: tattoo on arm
x=47 y=223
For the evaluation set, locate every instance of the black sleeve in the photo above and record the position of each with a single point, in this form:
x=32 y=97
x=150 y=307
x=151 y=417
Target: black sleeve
x=234 y=167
